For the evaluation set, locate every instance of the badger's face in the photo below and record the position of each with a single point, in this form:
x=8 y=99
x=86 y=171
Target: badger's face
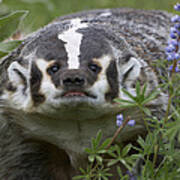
x=77 y=68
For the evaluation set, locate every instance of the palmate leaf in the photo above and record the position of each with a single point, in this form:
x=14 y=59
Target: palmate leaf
x=10 y=23
x=151 y=96
x=124 y=101
x=140 y=100
x=126 y=150
x=129 y=94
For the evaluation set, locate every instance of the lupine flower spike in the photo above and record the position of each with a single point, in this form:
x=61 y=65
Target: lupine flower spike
x=173 y=48
x=120 y=119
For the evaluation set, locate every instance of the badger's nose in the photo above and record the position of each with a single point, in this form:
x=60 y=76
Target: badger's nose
x=76 y=80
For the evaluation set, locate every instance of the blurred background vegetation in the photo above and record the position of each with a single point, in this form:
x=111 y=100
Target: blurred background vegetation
x=42 y=12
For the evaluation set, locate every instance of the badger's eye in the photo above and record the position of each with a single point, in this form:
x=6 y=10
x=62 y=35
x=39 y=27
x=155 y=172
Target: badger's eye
x=53 y=69
x=94 y=68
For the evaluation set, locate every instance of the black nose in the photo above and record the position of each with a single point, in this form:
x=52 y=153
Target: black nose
x=73 y=81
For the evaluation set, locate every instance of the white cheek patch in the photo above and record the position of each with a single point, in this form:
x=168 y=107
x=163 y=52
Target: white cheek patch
x=47 y=87
x=73 y=41
x=101 y=86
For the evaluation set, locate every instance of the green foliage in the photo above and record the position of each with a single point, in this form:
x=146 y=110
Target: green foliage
x=44 y=11
x=6 y=47
x=140 y=100
x=9 y=25
x=159 y=151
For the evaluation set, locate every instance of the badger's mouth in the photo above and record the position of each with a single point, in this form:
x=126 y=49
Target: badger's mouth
x=81 y=94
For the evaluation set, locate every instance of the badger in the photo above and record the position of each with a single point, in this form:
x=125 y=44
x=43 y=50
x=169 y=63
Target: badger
x=57 y=89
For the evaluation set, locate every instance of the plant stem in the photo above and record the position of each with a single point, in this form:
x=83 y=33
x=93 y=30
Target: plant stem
x=118 y=131
x=170 y=95
x=156 y=150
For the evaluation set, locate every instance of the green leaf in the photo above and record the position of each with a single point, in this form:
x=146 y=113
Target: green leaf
x=114 y=161
x=91 y=158
x=99 y=158
x=105 y=143
x=151 y=96
x=138 y=88
x=10 y=23
x=112 y=154
x=127 y=106
x=98 y=137
x=129 y=95
x=141 y=142
x=119 y=171
x=144 y=90
x=87 y=150
x=2 y=54
x=102 y=151
x=147 y=111
x=126 y=150
x=124 y=101
x=9 y=46
x=96 y=141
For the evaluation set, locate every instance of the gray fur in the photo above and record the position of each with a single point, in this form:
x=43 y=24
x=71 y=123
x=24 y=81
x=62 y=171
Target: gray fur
x=43 y=147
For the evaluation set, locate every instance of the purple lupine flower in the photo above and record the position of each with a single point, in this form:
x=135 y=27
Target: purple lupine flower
x=175 y=18
x=173 y=42
x=177 y=7
x=173 y=48
x=120 y=118
x=170 y=48
x=177 y=56
x=177 y=26
x=170 y=56
x=173 y=35
x=177 y=68
x=131 y=176
x=131 y=122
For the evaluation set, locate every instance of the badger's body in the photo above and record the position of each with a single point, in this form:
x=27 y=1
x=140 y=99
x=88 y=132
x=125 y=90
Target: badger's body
x=57 y=88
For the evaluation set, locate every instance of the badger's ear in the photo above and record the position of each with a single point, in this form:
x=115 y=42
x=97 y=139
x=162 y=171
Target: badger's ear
x=18 y=74
x=129 y=68
x=132 y=69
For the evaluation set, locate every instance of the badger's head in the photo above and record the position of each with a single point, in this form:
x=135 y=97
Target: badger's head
x=77 y=67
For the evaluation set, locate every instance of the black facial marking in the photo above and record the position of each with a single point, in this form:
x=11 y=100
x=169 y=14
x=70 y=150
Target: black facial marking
x=10 y=87
x=125 y=76
x=112 y=77
x=93 y=44
x=35 y=82
x=126 y=58
x=51 y=48
x=23 y=79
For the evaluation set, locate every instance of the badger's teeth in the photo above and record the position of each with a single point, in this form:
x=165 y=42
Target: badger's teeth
x=71 y=94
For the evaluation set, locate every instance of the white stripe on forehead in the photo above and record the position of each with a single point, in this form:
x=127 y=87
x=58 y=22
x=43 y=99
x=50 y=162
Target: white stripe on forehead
x=73 y=41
